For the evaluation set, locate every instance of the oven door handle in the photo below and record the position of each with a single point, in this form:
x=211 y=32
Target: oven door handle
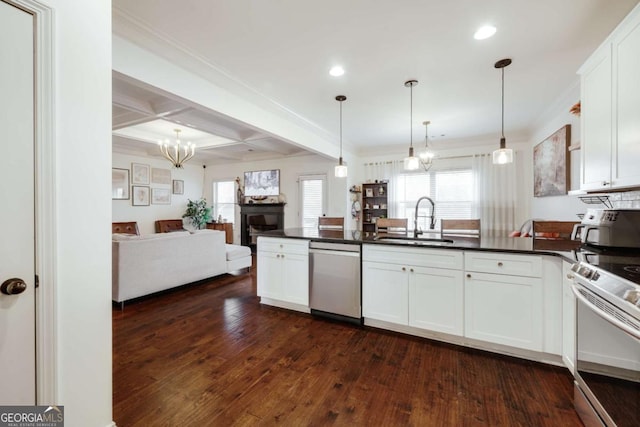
x=615 y=322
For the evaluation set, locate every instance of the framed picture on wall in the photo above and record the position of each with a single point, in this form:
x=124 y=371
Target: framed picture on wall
x=178 y=186
x=119 y=184
x=140 y=196
x=160 y=196
x=551 y=167
x=140 y=174
x=160 y=176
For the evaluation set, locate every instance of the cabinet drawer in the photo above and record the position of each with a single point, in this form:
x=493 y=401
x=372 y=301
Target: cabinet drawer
x=290 y=246
x=419 y=257
x=501 y=263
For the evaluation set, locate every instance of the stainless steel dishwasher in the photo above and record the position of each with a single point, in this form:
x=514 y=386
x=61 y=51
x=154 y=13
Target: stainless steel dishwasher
x=334 y=282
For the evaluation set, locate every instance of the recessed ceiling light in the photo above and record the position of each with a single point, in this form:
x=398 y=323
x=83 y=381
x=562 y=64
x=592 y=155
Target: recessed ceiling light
x=484 y=32
x=336 y=71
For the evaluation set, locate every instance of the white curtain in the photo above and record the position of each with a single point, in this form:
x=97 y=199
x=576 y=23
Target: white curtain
x=495 y=195
x=388 y=170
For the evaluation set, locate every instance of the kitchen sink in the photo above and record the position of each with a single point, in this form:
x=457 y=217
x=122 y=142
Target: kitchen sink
x=414 y=240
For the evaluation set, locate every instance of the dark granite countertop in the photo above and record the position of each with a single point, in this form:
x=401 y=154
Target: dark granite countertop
x=523 y=245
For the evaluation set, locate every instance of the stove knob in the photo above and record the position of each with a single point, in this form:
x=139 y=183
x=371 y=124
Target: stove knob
x=633 y=297
x=585 y=272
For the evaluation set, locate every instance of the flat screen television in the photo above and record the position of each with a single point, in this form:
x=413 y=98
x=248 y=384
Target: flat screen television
x=262 y=183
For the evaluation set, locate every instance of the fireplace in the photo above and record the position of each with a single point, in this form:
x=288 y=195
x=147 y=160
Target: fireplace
x=257 y=218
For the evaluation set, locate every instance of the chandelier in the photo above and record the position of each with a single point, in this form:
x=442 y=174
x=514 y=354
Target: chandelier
x=177 y=153
x=426 y=157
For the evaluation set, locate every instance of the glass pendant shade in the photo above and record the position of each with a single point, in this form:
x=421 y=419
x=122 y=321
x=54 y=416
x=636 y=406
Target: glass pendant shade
x=502 y=156
x=411 y=162
x=341 y=170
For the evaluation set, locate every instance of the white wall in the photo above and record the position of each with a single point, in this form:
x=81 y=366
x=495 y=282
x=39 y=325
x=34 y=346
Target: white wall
x=290 y=169
x=559 y=207
x=192 y=174
x=82 y=90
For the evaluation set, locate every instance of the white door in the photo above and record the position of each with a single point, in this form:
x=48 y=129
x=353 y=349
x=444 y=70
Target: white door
x=17 y=311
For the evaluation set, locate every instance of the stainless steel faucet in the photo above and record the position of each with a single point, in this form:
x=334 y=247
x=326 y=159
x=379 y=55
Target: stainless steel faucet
x=432 y=223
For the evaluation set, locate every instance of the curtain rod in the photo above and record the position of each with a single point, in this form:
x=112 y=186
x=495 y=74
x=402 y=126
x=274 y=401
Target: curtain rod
x=466 y=156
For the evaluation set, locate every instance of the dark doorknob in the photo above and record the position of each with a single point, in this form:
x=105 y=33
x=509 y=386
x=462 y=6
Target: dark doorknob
x=13 y=286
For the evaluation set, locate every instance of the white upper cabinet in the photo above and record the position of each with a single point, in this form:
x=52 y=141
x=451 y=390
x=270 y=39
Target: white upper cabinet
x=626 y=80
x=610 y=109
x=596 y=121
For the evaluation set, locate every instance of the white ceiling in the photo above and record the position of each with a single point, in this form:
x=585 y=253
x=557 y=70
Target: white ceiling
x=278 y=53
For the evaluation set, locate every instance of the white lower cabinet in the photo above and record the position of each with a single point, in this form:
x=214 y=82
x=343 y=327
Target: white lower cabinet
x=435 y=299
x=504 y=308
x=407 y=286
x=385 y=292
x=283 y=270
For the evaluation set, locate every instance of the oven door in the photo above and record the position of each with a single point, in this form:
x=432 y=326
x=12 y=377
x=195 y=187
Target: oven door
x=607 y=362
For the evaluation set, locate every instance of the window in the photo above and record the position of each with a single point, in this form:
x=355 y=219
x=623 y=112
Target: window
x=312 y=199
x=224 y=200
x=451 y=190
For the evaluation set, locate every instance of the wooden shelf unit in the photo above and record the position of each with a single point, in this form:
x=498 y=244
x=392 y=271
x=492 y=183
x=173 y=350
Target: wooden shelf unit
x=374 y=205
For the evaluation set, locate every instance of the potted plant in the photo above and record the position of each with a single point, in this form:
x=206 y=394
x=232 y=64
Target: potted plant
x=198 y=213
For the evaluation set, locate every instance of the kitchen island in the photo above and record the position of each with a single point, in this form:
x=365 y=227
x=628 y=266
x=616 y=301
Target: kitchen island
x=498 y=294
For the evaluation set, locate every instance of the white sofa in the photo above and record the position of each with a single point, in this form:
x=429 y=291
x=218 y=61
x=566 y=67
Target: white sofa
x=142 y=265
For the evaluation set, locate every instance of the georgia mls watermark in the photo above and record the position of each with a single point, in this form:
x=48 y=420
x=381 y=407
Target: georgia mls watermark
x=31 y=416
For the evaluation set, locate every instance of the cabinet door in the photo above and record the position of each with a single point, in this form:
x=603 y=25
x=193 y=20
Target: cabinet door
x=385 y=292
x=269 y=275
x=435 y=299
x=626 y=150
x=295 y=278
x=596 y=114
x=504 y=310
x=568 y=319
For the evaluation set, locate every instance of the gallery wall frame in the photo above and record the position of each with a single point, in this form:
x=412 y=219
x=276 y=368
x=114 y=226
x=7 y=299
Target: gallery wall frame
x=178 y=186
x=552 y=164
x=160 y=176
x=140 y=195
x=160 y=196
x=119 y=184
x=140 y=174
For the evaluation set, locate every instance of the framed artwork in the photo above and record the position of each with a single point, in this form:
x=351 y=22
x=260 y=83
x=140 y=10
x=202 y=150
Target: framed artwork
x=551 y=164
x=178 y=186
x=140 y=174
x=160 y=196
x=140 y=196
x=119 y=184
x=160 y=176
x=369 y=192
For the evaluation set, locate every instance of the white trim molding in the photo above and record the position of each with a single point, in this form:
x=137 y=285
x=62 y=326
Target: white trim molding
x=45 y=191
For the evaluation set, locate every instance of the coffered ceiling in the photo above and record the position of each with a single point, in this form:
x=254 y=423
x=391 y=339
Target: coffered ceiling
x=278 y=53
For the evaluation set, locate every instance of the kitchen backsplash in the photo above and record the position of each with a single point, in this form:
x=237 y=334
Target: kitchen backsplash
x=626 y=200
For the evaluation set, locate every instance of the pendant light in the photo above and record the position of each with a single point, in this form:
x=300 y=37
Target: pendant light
x=426 y=156
x=340 y=169
x=411 y=162
x=504 y=154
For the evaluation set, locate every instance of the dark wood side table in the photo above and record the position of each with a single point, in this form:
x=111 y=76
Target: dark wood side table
x=227 y=227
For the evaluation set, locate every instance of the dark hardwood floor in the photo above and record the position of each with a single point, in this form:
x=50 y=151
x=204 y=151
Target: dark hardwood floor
x=210 y=355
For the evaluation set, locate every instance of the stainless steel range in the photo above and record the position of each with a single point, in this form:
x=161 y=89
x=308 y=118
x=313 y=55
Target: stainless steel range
x=607 y=288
